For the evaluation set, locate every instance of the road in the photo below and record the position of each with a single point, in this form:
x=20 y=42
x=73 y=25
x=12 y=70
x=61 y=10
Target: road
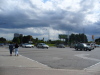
x=63 y=58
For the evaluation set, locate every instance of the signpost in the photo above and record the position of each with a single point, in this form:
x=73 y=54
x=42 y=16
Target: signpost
x=93 y=38
x=62 y=36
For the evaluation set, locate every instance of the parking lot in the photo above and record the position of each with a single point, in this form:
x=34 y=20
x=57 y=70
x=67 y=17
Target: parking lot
x=63 y=58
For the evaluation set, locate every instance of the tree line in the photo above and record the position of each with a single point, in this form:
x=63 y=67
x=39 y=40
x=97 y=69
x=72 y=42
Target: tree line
x=2 y=40
x=73 y=38
x=97 y=41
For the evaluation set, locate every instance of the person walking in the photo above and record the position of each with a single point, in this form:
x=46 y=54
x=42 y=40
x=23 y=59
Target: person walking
x=16 y=49
x=11 y=48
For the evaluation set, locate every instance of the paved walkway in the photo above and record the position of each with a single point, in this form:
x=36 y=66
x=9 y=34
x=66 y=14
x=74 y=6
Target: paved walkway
x=20 y=65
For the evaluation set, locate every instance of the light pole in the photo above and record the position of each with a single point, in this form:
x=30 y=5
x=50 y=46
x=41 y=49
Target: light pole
x=68 y=35
x=84 y=34
x=47 y=34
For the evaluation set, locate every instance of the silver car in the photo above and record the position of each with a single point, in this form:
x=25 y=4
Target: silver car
x=60 y=46
x=92 y=45
x=42 y=45
x=28 y=45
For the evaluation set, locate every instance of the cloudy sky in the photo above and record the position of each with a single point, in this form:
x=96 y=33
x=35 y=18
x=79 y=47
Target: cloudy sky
x=48 y=18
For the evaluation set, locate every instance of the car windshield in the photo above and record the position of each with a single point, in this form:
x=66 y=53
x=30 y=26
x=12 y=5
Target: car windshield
x=85 y=44
x=43 y=44
x=26 y=44
x=88 y=44
x=61 y=44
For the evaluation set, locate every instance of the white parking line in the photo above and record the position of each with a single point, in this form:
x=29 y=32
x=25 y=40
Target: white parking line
x=35 y=61
x=93 y=68
x=88 y=58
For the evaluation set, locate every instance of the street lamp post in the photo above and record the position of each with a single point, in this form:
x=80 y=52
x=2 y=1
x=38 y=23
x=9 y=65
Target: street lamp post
x=48 y=35
x=68 y=35
x=84 y=34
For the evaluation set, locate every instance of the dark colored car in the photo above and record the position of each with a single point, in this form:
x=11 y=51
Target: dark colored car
x=1 y=44
x=60 y=46
x=83 y=46
x=72 y=45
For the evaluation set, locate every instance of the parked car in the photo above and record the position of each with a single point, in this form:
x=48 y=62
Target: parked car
x=72 y=45
x=92 y=45
x=60 y=46
x=28 y=45
x=96 y=45
x=1 y=44
x=42 y=45
x=83 y=46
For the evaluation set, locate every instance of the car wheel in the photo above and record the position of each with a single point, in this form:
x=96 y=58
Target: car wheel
x=84 y=49
x=80 y=49
x=89 y=49
x=76 y=49
x=42 y=47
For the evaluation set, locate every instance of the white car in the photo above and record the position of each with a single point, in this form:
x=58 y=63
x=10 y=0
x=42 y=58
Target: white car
x=28 y=45
x=91 y=44
x=42 y=45
x=96 y=45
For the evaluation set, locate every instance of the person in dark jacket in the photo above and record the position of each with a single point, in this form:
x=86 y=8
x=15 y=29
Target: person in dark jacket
x=11 y=48
x=16 y=49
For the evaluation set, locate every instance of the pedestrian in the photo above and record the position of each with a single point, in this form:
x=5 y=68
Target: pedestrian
x=11 y=48
x=16 y=49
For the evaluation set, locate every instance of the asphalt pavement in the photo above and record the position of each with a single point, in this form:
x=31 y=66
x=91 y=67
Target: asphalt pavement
x=20 y=65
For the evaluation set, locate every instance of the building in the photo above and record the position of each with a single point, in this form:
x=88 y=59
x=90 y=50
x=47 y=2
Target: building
x=17 y=34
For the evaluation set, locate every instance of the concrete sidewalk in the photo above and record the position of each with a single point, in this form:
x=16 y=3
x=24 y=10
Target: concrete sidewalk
x=20 y=65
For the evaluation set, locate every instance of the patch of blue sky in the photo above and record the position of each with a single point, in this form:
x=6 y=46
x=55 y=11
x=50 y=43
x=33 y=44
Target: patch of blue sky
x=45 y=1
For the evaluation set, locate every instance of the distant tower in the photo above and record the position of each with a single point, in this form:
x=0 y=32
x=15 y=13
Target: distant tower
x=16 y=35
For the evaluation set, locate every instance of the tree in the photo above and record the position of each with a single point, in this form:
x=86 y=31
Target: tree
x=16 y=40
x=72 y=38
x=75 y=38
x=26 y=39
x=21 y=38
x=2 y=40
x=97 y=40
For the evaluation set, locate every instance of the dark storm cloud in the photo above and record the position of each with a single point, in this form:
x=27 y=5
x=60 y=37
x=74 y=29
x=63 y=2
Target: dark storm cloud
x=16 y=17
x=66 y=20
x=19 y=19
x=24 y=14
x=59 y=19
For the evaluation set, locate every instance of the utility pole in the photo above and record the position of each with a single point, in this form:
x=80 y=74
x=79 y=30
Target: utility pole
x=84 y=34
x=68 y=37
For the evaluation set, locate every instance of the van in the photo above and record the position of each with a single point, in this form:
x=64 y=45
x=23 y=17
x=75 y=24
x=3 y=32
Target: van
x=83 y=46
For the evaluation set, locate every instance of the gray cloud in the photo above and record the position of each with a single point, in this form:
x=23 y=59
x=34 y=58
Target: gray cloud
x=26 y=14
